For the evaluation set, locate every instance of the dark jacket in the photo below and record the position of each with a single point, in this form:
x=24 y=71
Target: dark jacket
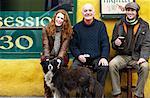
x=48 y=43
x=141 y=44
x=90 y=39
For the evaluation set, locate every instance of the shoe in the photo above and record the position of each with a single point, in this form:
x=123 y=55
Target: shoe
x=137 y=96
x=117 y=96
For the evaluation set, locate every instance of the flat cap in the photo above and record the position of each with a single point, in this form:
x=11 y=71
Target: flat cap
x=132 y=5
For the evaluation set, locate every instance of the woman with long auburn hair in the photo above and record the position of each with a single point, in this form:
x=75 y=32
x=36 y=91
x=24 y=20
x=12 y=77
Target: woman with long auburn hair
x=66 y=25
x=55 y=40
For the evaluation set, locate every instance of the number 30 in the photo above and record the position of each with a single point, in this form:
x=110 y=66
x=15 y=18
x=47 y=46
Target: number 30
x=17 y=42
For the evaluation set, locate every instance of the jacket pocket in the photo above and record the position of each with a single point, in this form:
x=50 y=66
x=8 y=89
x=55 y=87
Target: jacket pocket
x=139 y=41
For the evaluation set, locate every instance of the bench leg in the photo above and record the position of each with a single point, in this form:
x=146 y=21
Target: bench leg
x=129 y=83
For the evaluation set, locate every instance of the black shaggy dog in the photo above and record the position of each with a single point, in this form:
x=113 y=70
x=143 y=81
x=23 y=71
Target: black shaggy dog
x=62 y=81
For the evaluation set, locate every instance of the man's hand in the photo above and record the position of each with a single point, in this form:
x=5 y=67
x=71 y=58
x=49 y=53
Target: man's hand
x=141 y=60
x=118 y=42
x=82 y=58
x=103 y=62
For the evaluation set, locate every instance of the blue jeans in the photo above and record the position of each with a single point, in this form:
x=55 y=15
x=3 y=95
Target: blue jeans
x=100 y=70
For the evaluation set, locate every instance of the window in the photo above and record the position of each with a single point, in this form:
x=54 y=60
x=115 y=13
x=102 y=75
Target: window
x=113 y=8
x=22 y=5
x=60 y=4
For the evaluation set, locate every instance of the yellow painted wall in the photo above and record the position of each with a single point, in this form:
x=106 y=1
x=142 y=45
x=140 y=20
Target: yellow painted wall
x=144 y=13
x=21 y=78
x=25 y=77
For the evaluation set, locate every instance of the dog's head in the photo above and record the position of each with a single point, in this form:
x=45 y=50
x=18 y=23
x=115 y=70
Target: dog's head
x=54 y=65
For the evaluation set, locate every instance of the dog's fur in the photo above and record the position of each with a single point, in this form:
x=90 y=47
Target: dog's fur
x=62 y=80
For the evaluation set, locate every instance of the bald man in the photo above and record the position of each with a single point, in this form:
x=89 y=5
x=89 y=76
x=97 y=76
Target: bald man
x=90 y=44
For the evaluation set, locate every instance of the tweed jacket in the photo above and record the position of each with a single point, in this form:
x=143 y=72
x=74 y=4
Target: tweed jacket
x=141 y=45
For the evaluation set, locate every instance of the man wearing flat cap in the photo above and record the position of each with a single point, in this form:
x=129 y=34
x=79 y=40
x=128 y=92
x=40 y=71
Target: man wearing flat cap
x=131 y=40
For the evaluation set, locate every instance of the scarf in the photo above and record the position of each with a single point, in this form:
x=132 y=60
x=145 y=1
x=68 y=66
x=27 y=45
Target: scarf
x=57 y=41
x=132 y=21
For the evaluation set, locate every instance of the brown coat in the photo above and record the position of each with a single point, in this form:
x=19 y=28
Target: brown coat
x=48 y=43
x=141 y=45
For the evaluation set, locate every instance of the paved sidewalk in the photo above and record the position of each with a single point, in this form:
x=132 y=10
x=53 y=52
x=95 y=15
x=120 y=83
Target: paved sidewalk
x=22 y=97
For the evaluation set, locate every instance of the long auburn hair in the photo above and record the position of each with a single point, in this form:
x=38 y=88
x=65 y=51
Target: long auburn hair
x=66 y=26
